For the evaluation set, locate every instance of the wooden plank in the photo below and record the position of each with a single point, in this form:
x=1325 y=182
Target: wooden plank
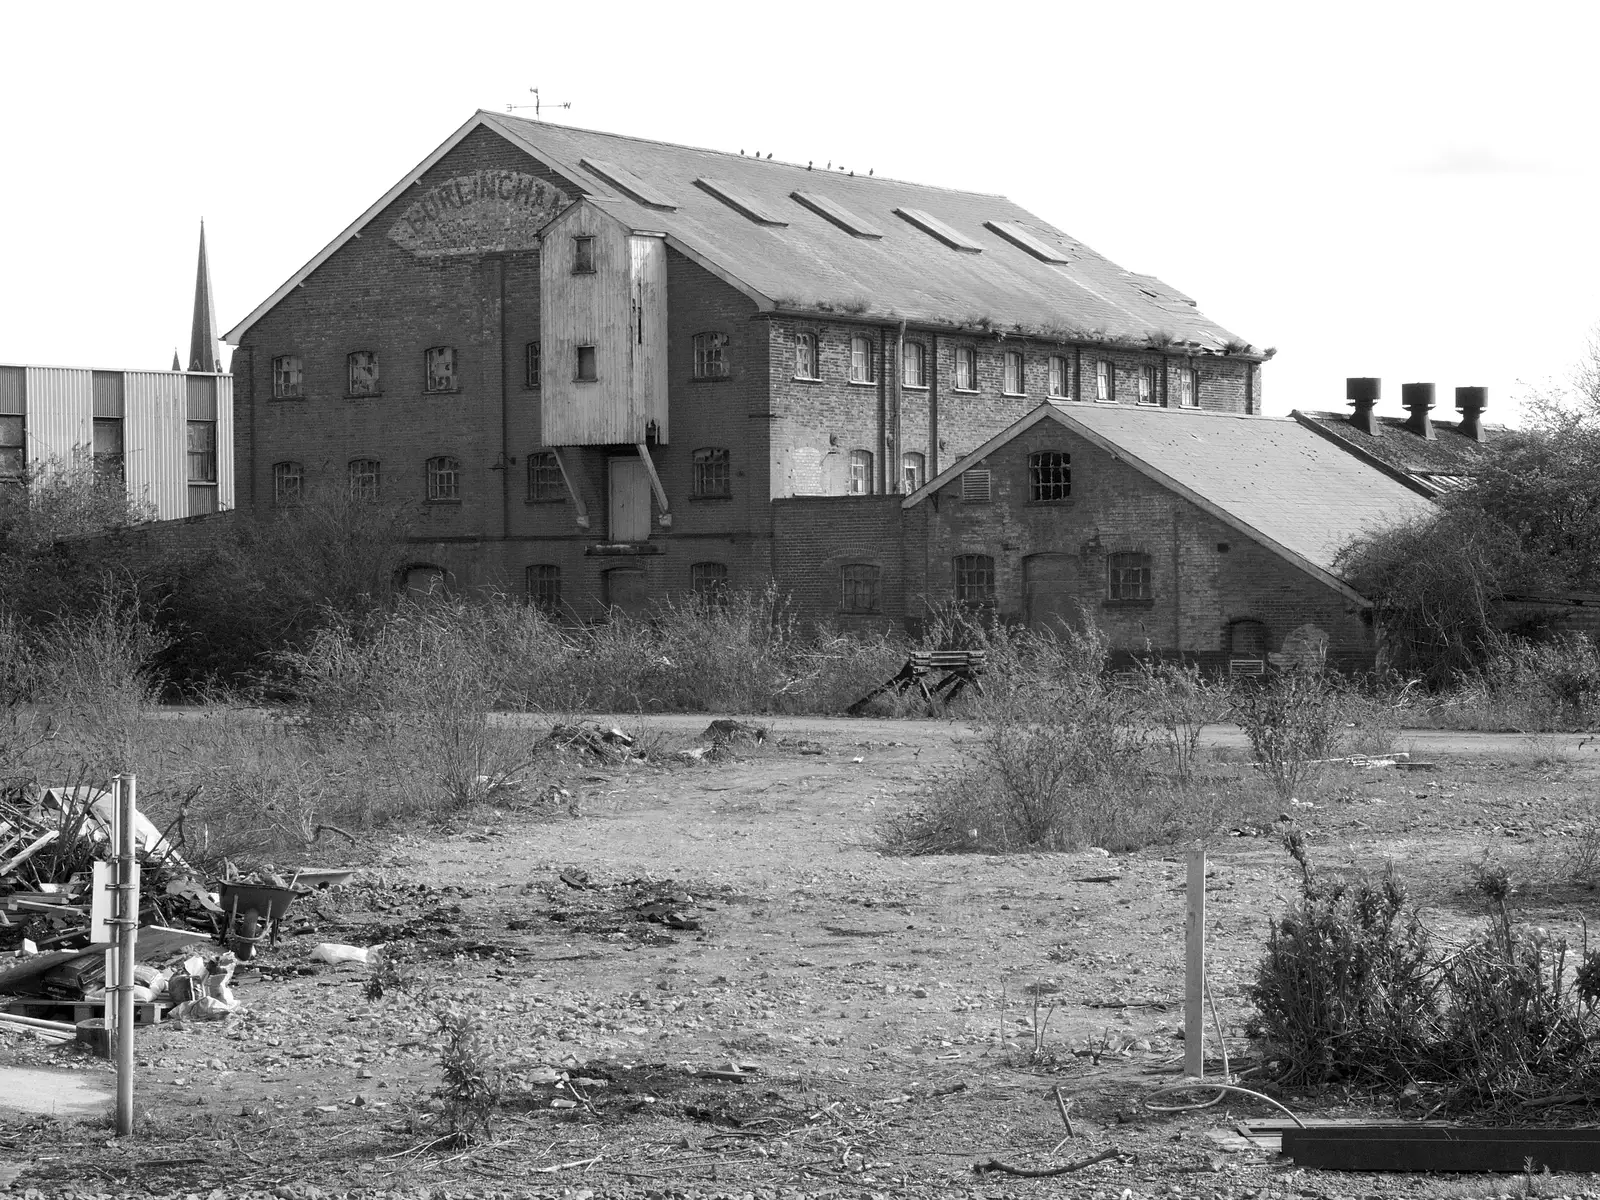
x=1442 y=1148
x=1194 y=1031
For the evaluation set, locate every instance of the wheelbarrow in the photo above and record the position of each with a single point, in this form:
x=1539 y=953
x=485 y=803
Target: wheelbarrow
x=251 y=912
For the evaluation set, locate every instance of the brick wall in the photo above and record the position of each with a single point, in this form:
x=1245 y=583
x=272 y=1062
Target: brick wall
x=815 y=537
x=1205 y=575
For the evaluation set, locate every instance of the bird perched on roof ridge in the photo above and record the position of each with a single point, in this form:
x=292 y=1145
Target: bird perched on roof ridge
x=769 y=154
x=869 y=170
x=808 y=164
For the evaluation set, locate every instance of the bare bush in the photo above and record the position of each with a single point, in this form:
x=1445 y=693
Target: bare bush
x=1292 y=719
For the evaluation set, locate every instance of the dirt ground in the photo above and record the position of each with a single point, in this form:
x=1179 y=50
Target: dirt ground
x=710 y=982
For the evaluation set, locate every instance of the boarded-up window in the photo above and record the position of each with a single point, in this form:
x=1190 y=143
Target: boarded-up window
x=1014 y=385
x=966 y=369
x=361 y=369
x=974 y=579
x=544 y=588
x=444 y=478
x=805 y=356
x=1128 y=576
x=913 y=471
x=439 y=369
x=860 y=588
x=13 y=447
x=710 y=356
x=365 y=474
x=545 y=482
x=288 y=483
x=913 y=366
x=585 y=370
x=861 y=472
x=532 y=361
x=1060 y=382
x=1049 y=476
x=711 y=472
x=861 y=361
x=1105 y=387
x=286 y=377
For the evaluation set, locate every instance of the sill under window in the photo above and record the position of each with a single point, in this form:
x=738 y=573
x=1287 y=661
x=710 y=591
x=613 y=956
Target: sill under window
x=862 y=382
x=1047 y=503
x=914 y=387
x=711 y=497
x=363 y=395
x=300 y=397
x=807 y=378
x=1128 y=603
x=723 y=378
x=455 y=391
x=546 y=500
x=1016 y=395
x=581 y=379
x=455 y=500
x=961 y=391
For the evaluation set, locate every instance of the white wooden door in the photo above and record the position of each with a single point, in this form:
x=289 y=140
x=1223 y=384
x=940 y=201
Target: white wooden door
x=630 y=501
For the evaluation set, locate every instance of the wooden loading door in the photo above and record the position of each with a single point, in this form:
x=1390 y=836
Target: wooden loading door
x=1047 y=591
x=630 y=501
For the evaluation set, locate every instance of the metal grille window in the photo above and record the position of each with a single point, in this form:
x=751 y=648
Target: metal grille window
x=711 y=476
x=439 y=369
x=532 y=362
x=1060 y=381
x=545 y=481
x=202 y=450
x=444 y=478
x=1188 y=388
x=583 y=256
x=805 y=356
x=709 y=581
x=1128 y=576
x=913 y=366
x=1147 y=385
x=13 y=448
x=913 y=470
x=1104 y=382
x=288 y=483
x=974 y=575
x=1014 y=385
x=544 y=588
x=585 y=370
x=861 y=472
x=286 y=377
x=861 y=361
x=364 y=476
x=966 y=369
x=108 y=460
x=361 y=368
x=860 y=588
x=1049 y=475
x=710 y=357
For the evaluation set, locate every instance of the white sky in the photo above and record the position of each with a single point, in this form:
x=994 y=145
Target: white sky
x=1402 y=190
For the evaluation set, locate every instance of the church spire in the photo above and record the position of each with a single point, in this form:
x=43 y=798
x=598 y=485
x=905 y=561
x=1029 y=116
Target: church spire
x=203 y=338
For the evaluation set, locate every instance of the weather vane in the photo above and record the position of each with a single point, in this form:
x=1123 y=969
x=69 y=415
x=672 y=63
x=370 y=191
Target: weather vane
x=536 y=105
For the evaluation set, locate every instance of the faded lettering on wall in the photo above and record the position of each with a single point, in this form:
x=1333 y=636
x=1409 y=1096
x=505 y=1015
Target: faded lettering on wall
x=483 y=211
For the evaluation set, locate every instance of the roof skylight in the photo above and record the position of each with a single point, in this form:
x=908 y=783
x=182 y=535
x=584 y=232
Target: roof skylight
x=627 y=182
x=741 y=201
x=838 y=214
x=1018 y=236
x=931 y=224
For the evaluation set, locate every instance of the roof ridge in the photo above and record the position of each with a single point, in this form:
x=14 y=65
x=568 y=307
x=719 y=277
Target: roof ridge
x=1187 y=414
x=777 y=162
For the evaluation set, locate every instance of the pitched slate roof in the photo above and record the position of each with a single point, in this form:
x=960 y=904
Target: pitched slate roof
x=1437 y=466
x=1273 y=479
x=859 y=244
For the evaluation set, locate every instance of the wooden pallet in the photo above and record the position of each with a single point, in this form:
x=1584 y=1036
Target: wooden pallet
x=74 y=1011
x=1442 y=1148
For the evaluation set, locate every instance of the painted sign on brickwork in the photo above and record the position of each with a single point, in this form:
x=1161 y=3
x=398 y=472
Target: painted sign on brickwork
x=483 y=211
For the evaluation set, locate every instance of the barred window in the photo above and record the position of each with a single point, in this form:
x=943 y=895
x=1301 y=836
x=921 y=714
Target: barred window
x=966 y=369
x=1060 y=379
x=545 y=481
x=859 y=586
x=861 y=361
x=544 y=588
x=805 y=356
x=532 y=363
x=710 y=465
x=974 y=575
x=1049 y=475
x=710 y=360
x=1147 y=385
x=1188 y=388
x=361 y=370
x=1128 y=576
x=1014 y=383
x=439 y=369
x=913 y=470
x=913 y=366
x=286 y=377
x=363 y=478
x=444 y=478
x=709 y=581
x=288 y=483
x=861 y=472
x=1104 y=382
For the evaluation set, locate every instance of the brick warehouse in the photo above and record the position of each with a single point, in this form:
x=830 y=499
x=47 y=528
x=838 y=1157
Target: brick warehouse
x=609 y=370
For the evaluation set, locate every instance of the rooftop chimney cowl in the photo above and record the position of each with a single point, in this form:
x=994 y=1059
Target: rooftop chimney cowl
x=1470 y=402
x=1418 y=399
x=1363 y=393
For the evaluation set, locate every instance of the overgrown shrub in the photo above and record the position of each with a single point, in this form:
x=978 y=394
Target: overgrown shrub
x=1179 y=700
x=1292 y=719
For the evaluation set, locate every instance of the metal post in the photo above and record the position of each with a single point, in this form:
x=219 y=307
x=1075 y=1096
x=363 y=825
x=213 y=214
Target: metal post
x=126 y=805
x=1194 y=976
